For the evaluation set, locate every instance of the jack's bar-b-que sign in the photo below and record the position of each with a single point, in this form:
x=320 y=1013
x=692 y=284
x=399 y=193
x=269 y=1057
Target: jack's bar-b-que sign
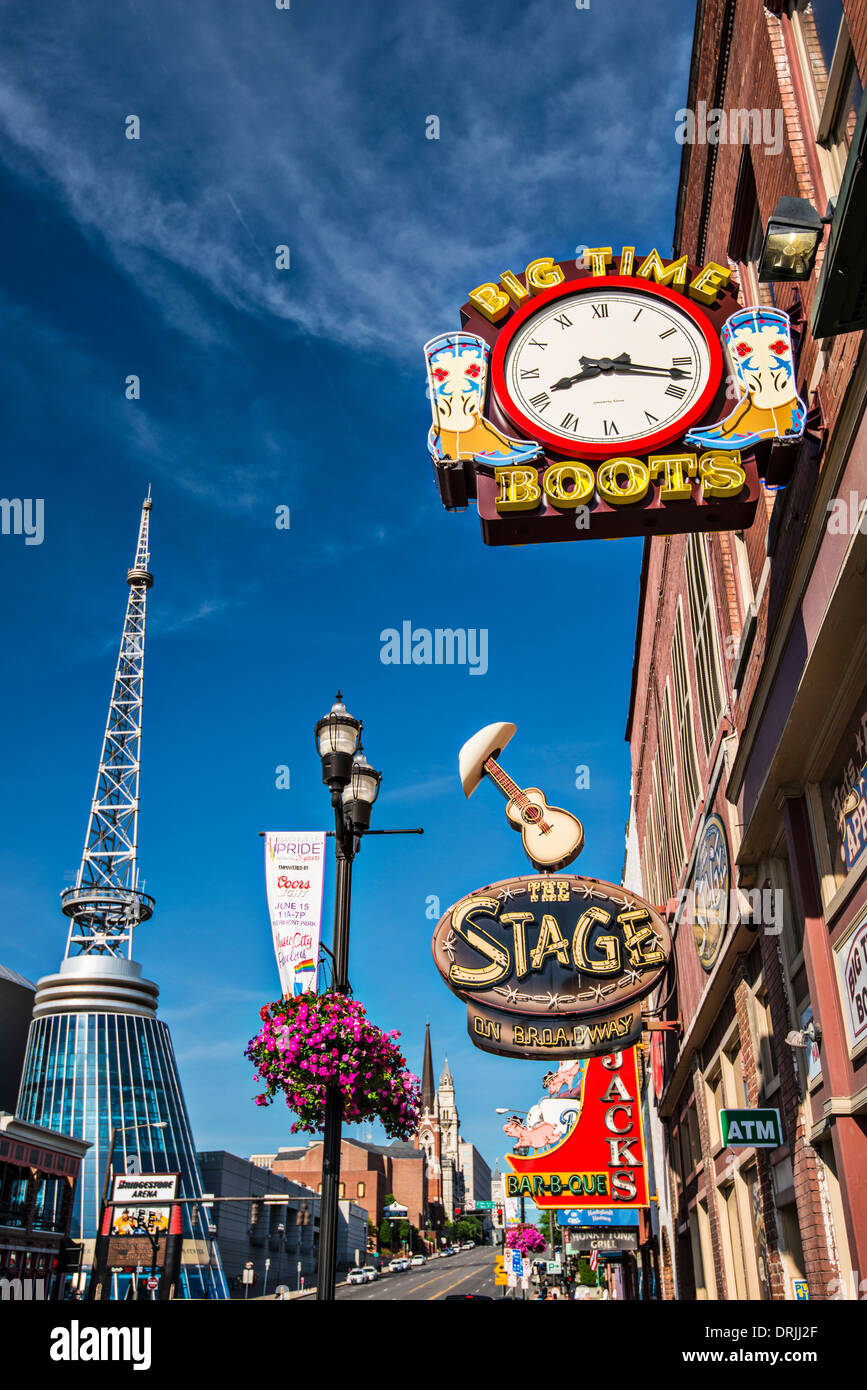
x=600 y=1161
x=552 y=966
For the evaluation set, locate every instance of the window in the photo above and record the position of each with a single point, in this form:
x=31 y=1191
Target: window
x=765 y=1031
x=361 y=1189
x=733 y=1243
x=831 y=81
x=746 y=236
x=702 y=1252
x=342 y=1192
x=734 y=1089
x=666 y=887
x=672 y=801
x=704 y=639
x=685 y=731
x=686 y=1164
x=717 y=1103
x=694 y=1135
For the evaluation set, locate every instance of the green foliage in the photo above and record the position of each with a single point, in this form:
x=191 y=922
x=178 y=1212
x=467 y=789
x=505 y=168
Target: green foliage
x=585 y=1273
x=385 y=1234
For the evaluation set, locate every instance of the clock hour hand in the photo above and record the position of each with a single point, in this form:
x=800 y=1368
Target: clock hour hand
x=591 y=367
x=567 y=381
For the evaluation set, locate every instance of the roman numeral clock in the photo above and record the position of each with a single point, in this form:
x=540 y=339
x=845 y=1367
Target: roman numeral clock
x=596 y=364
x=589 y=401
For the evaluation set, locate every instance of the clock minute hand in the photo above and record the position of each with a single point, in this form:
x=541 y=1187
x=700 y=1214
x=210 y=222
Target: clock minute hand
x=625 y=364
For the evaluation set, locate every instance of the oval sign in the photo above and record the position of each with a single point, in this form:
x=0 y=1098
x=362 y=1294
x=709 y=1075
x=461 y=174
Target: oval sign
x=552 y=966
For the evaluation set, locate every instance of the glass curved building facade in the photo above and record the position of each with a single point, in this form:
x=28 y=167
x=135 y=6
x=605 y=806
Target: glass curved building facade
x=98 y=1059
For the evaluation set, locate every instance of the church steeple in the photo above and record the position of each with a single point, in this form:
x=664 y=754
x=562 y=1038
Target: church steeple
x=428 y=1093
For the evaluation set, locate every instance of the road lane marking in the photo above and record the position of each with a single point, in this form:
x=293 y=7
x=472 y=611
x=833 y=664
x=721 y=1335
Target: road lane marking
x=431 y=1296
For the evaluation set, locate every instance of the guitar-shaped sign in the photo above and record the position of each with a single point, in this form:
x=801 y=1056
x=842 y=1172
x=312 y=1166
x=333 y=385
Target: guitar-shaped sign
x=552 y=837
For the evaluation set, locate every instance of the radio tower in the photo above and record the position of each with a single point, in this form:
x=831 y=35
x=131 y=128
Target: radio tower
x=106 y=902
x=100 y=1065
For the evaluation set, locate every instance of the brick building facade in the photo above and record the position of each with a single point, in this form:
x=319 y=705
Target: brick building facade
x=368 y=1174
x=748 y=721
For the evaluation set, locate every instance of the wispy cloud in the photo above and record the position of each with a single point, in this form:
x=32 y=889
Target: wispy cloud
x=256 y=132
x=422 y=791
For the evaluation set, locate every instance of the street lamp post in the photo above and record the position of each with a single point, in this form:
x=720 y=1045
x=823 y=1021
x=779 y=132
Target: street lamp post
x=354 y=786
x=504 y=1110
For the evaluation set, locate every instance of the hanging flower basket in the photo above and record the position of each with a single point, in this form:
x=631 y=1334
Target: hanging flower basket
x=527 y=1239
x=314 y=1041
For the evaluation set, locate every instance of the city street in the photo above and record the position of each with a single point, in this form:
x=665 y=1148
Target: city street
x=471 y=1272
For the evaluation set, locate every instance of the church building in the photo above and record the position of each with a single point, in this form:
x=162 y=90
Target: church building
x=439 y=1136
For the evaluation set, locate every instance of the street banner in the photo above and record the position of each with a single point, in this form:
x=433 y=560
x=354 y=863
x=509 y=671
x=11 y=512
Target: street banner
x=294 y=874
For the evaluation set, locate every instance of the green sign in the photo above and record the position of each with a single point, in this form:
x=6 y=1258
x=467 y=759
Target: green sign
x=485 y=1206
x=751 y=1129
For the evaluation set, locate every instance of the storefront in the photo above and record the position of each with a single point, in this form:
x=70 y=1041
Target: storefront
x=38 y=1174
x=747 y=718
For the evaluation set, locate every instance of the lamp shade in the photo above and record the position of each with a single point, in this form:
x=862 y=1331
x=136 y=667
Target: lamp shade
x=364 y=785
x=792 y=240
x=337 y=735
x=337 y=732
x=360 y=792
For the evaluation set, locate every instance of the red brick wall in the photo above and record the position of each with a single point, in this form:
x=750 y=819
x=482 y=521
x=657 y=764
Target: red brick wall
x=381 y=1174
x=760 y=73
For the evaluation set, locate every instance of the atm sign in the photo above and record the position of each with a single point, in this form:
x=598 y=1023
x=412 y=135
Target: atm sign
x=751 y=1129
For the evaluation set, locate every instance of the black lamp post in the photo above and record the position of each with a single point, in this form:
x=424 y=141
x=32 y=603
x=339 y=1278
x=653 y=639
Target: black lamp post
x=354 y=787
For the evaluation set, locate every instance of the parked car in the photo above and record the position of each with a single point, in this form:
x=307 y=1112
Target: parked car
x=418 y=1260
x=372 y=1271
x=398 y=1265
x=359 y=1276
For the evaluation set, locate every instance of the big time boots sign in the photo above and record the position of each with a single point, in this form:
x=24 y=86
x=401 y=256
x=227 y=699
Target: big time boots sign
x=593 y=399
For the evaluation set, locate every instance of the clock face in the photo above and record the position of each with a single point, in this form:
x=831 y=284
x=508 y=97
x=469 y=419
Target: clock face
x=711 y=892
x=606 y=367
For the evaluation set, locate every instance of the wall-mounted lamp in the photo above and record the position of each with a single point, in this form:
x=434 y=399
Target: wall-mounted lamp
x=793 y=237
x=804 y=1037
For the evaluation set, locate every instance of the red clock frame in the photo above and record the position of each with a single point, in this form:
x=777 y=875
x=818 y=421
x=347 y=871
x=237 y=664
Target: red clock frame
x=648 y=443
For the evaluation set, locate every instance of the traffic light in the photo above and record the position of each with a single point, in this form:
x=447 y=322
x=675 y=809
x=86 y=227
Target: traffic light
x=458 y=1211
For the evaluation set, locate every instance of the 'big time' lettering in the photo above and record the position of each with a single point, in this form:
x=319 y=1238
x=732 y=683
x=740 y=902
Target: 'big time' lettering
x=592 y=948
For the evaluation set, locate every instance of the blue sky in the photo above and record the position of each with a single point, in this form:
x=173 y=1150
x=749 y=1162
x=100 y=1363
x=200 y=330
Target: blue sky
x=306 y=388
